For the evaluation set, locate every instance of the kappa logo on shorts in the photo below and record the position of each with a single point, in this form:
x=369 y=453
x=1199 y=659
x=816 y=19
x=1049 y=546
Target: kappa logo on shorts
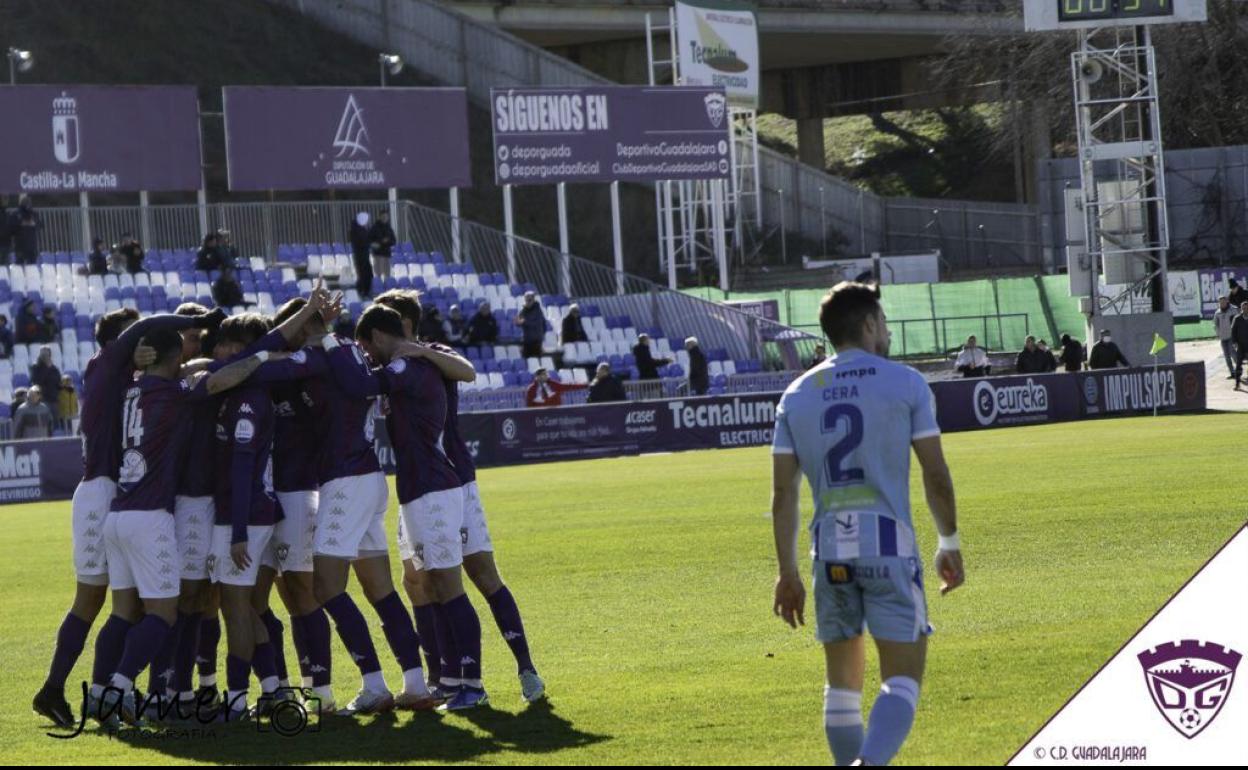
x=420 y=551
x=1189 y=682
x=463 y=535
x=283 y=550
x=212 y=562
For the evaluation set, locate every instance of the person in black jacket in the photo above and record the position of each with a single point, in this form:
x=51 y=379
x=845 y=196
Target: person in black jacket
x=647 y=364
x=360 y=247
x=45 y=374
x=132 y=252
x=6 y=337
x=382 y=240
x=1236 y=294
x=24 y=227
x=605 y=388
x=208 y=258
x=573 y=329
x=482 y=327
x=431 y=329
x=1239 y=338
x=1030 y=360
x=29 y=327
x=699 y=380
x=97 y=260
x=1105 y=353
x=226 y=291
x=1050 y=361
x=1072 y=353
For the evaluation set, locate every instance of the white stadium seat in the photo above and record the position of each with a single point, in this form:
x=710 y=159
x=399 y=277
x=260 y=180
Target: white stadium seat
x=714 y=368
x=730 y=367
x=580 y=377
x=548 y=363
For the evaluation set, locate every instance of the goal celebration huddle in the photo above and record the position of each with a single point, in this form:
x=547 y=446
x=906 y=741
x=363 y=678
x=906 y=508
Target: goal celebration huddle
x=227 y=459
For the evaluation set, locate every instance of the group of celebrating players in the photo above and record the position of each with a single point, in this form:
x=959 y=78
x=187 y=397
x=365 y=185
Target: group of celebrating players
x=227 y=456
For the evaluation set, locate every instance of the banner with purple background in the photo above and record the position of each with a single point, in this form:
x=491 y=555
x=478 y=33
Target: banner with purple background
x=279 y=138
x=74 y=138
x=609 y=133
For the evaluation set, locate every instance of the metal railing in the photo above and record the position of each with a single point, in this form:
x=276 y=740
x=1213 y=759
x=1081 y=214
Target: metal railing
x=925 y=337
x=454 y=49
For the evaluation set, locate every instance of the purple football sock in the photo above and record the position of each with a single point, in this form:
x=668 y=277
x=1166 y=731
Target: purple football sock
x=507 y=616
x=264 y=661
x=448 y=656
x=426 y=627
x=71 y=638
x=297 y=635
x=160 y=675
x=184 y=651
x=466 y=627
x=237 y=677
x=142 y=644
x=316 y=637
x=353 y=630
x=209 y=638
x=400 y=633
x=109 y=645
x=276 y=638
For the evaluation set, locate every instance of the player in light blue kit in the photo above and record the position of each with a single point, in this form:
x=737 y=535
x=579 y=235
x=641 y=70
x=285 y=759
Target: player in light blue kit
x=848 y=424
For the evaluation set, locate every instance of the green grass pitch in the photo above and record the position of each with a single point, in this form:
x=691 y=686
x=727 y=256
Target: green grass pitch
x=645 y=585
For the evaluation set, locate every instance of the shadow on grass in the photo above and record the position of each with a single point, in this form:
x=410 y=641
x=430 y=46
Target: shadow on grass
x=387 y=738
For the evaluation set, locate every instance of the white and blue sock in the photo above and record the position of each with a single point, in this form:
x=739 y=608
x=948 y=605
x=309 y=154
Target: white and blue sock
x=842 y=721
x=891 y=718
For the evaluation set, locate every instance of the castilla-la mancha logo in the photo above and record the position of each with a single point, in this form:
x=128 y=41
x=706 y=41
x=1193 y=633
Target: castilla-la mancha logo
x=66 y=142
x=1189 y=681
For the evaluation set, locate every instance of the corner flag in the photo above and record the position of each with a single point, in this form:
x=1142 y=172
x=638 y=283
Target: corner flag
x=1158 y=344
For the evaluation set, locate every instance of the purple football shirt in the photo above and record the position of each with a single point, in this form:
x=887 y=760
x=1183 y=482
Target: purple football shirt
x=244 y=489
x=154 y=432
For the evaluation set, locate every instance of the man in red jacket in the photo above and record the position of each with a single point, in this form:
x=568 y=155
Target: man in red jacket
x=547 y=392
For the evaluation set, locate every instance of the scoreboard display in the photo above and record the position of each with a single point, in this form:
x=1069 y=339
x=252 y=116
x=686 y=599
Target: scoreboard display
x=1082 y=10
x=1045 y=15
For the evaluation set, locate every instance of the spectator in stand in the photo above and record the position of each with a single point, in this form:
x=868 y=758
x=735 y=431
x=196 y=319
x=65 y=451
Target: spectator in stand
x=45 y=374
x=647 y=364
x=345 y=325
x=1223 y=317
x=6 y=237
x=699 y=380
x=821 y=355
x=360 y=255
x=455 y=327
x=1050 y=361
x=532 y=322
x=573 y=330
x=1030 y=359
x=605 y=388
x=1072 y=353
x=1236 y=294
x=1105 y=353
x=482 y=327
x=430 y=329
x=33 y=419
x=544 y=391
x=1239 y=336
x=29 y=328
x=19 y=398
x=6 y=337
x=382 y=239
x=972 y=361
x=227 y=292
x=51 y=329
x=67 y=401
x=225 y=246
x=208 y=258
x=132 y=252
x=24 y=227
x=97 y=260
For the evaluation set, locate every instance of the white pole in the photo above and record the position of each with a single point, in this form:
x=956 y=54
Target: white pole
x=565 y=261
x=784 y=248
x=717 y=216
x=617 y=239
x=456 y=249
x=145 y=225
x=823 y=226
x=509 y=227
x=84 y=204
x=1154 y=384
x=669 y=232
x=862 y=224
x=201 y=197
